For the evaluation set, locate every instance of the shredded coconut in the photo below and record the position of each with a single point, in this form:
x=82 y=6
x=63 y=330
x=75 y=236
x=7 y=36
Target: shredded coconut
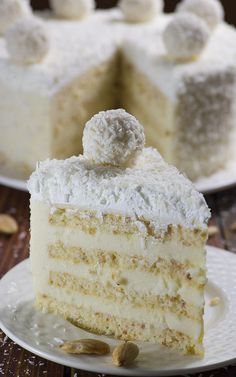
x=27 y=41
x=140 y=10
x=11 y=11
x=185 y=37
x=72 y=9
x=150 y=189
x=211 y=11
x=113 y=137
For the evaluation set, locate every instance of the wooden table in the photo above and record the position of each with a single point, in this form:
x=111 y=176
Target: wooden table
x=15 y=361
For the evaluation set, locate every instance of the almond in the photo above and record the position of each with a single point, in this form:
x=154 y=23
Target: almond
x=213 y=230
x=125 y=354
x=86 y=346
x=8 y=224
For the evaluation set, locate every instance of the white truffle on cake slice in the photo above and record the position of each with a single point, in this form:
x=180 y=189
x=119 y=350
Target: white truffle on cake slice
x=119 y=249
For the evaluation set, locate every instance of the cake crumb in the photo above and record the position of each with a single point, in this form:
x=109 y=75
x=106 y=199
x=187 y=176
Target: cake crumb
x=214 y=301
x=213 y=230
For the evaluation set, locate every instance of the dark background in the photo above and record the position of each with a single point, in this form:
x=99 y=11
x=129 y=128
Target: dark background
x=229 y=6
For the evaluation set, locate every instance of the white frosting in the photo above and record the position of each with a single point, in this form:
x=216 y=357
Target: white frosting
x=211 y=11
x=185 y=37
x=140 y=10
x=151 y=189
x=76 y=47
x=148 y=54
x=11 y=11
x=113 y=137
x=27 y=41
x=72 y=9
x=105 y=32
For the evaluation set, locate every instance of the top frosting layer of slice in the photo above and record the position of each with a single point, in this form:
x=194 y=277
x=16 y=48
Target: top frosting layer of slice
x=151 y=189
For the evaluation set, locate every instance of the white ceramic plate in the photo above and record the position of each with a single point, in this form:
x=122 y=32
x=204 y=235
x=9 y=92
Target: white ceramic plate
x=42 y=333
x=221 y=180
x=13 y=183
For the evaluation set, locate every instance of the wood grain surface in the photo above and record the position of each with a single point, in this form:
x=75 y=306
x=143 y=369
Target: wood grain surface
x=15 y=361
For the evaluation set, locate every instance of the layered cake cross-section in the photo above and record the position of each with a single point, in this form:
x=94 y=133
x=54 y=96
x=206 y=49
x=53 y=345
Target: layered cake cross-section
x=118 y=239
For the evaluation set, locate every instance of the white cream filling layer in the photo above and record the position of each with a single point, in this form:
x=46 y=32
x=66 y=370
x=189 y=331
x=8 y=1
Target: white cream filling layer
x=138 y=281
x=131 y=245
x=156 y=318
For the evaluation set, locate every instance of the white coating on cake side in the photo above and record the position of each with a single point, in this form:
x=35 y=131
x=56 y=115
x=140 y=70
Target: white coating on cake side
x=113 y=137
x=151 y=189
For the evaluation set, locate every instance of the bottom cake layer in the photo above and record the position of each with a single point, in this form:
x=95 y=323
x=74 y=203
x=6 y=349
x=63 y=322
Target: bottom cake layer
x=121 y=328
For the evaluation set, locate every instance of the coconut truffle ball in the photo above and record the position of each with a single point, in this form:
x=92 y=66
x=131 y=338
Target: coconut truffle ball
x=211 y=11
x=185 y=37
x=114 y=138
x=140 y=10
x=72 y=9
x=11 y=11
x=27 y=41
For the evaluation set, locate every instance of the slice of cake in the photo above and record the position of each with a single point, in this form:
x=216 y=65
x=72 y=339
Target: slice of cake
x=118 y=239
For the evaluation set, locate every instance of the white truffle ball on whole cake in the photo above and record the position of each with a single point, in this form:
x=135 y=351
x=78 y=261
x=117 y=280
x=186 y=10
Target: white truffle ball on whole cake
x=72 y=9
x=11 y=11
x=185 y=37
x=140 y=10
x=211 y=11
x=113 y=137
x=28 y=41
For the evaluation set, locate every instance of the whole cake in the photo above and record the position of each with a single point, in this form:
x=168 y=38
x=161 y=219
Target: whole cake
x=119 y=249
x=175 y=73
